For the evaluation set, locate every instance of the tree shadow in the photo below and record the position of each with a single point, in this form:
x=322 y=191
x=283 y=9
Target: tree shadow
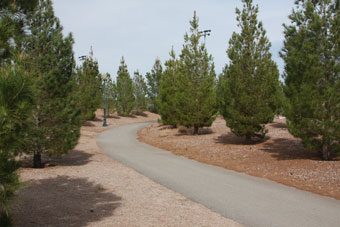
x=190 y=131
x=165 y=127
x=278 y=125
x=289 y=149
x=231 y=138
x=96 y=119
x=142 y=114
x=73 y=158
x=129 y=116
x=63 y=201
x=89 y=124
x=113 y=116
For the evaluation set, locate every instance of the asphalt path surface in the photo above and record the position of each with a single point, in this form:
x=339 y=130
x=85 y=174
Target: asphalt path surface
x=248 y=200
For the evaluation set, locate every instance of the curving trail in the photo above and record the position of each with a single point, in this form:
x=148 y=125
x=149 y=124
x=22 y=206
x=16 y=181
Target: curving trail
x=248 y=200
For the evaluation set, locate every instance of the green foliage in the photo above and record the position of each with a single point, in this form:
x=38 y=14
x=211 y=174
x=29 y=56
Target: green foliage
x=312 y=72
x=197 y=82
x=251 y=85
x=15 y=110
x=49 y=56
x=12 y=25
x=89 y=88
x=220 y=92
x=153 y=80
x=111 y=95
x=125 y=97
x=168 y=90
x=140 y=92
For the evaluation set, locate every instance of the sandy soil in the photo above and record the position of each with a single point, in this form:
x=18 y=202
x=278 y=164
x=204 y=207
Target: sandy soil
x=86 y=188
x=280 y=158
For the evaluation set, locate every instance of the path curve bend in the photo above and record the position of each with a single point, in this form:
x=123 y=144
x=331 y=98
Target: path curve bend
x=248 y=200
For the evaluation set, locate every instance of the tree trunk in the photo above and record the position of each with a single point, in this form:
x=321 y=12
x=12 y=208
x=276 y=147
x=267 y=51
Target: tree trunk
x=37 y=160
x=248 y=139
x=196 y=130
x=326 y=153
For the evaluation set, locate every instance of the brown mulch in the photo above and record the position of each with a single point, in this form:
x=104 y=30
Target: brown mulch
x=87 y=188
x=279 y=157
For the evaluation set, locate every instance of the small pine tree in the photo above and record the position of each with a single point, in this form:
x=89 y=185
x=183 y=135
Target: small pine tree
x=89 y=89
x=312 y=75
x=168 y=89
x=16 y=101
x=153 y=80
x=251 y=80
x=220 y=92
x=196 y=81
x=50 y=60
x=111 y=95
x=125 y=98
x=140 y=92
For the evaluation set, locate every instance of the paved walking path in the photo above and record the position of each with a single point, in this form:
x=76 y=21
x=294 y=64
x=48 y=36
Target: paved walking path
x=248 y=200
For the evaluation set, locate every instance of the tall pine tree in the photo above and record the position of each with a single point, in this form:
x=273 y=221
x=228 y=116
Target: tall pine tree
x=16 y=98
x=16 y=101
x=197 y=82
x=312 y=75
x=125 y=97
x=140 y=92
x=89 y=88
x=153 y=80
x=49 y=57
x=251 y=80
x=168 y=90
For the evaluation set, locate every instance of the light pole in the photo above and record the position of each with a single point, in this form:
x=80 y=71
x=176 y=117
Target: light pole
x=104 y=77
x=205 y=33
x=82 y=58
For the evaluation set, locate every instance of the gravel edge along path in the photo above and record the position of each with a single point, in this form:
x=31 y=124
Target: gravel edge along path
x=87 y=188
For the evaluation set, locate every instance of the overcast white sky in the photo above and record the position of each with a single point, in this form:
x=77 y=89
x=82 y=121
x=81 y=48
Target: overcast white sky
x=141 y=30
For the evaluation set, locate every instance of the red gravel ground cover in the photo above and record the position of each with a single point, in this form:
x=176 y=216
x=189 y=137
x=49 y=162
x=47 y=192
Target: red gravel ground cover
x=280 y=157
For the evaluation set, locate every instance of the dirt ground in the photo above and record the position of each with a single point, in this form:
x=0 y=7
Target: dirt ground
x=280 y=157
x=87 y=188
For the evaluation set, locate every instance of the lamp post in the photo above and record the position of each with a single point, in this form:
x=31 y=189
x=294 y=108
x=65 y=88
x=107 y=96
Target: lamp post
x=82 y=58
x=205 y=33
x=104 y=77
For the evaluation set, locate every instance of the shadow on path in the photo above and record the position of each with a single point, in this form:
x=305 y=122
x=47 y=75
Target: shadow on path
x=63 y=201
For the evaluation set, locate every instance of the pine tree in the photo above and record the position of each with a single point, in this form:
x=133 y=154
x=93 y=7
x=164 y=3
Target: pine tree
x=49 y=56
x=89 y=89
x=312 y=71
x=125 y=98
x=197 y=82
x=168 y=90
x=140 y=92
x=220 y=92
x=16 y=101
x=153 y=80
x=111 y=95
x=251 y=84
x=13 y=25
